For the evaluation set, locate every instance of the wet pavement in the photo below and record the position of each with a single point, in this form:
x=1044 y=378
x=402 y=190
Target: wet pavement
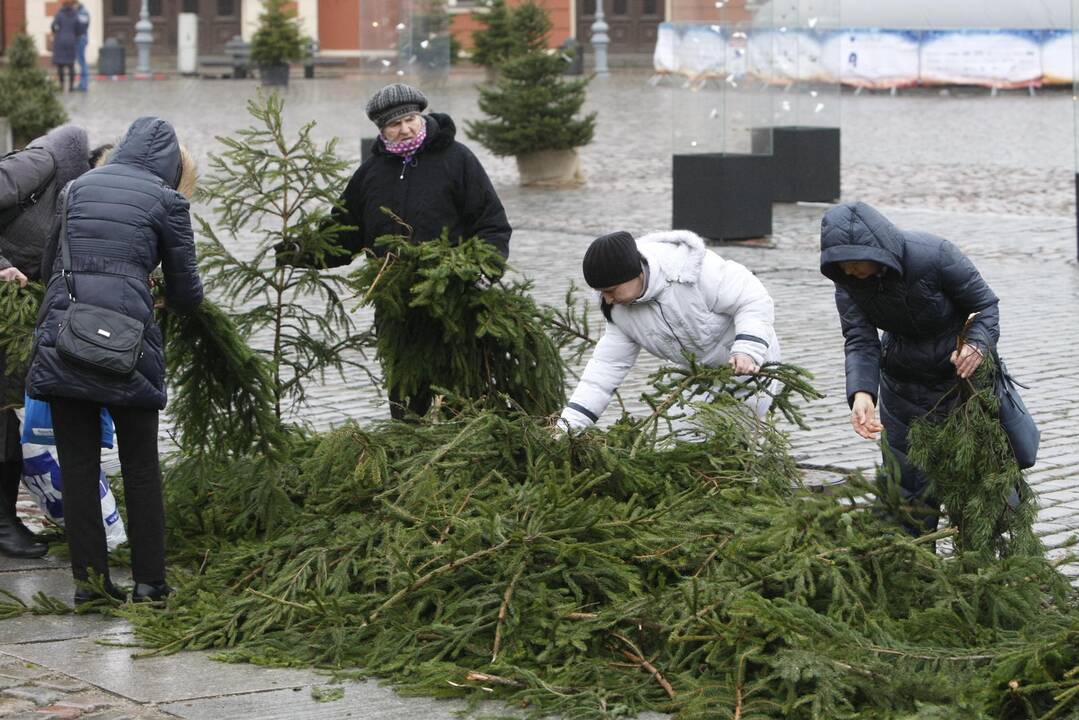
x=993 y=174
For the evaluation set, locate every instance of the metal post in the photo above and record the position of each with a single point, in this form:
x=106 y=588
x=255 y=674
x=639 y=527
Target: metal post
x=600 y=40
x=144 y=38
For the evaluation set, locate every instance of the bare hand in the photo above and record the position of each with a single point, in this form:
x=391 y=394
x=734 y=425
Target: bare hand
x=863 y=416
x=967 y=360
x=743 y=364
x=12 y=274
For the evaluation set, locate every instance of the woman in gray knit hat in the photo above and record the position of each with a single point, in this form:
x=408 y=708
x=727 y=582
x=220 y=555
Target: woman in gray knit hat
x=434 y=183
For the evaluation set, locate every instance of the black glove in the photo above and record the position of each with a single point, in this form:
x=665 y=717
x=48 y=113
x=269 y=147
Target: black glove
x=286 y=254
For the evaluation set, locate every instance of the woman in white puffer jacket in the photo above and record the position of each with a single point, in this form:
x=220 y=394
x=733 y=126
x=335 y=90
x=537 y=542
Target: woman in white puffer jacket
x=670 y=295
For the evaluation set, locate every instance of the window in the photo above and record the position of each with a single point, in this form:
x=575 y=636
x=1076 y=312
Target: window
x=154 y=8
x=225 y=8
x=189 y=6
x=119 y=7
x=589 y=7
x=620 y=7
x=649 y=7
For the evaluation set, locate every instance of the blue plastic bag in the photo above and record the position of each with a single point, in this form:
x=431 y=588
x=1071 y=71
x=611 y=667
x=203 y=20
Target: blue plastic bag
x=37 y=424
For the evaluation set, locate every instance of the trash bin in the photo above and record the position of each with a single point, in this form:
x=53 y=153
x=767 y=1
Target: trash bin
x=240 y=52
x=110 y=58
x=571 y=52
x=187 y=43
x=309 y=59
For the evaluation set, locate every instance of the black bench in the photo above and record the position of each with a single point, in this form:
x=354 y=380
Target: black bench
x=237 y=59
x=311 y=61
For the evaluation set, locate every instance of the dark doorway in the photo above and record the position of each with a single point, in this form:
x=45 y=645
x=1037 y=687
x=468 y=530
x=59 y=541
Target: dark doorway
x=633 y=24
x=219 y=20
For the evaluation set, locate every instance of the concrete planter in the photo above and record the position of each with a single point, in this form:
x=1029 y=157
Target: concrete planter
x=723 y=196
x=806 y=162
x=550 y=168
x=274 y=75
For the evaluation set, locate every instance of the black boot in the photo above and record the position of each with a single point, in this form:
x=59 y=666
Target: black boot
x=151 y=592
x=16 y=541
x=86 y=594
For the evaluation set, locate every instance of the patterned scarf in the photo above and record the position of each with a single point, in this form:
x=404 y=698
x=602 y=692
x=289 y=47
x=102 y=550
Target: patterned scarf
x=406 y=148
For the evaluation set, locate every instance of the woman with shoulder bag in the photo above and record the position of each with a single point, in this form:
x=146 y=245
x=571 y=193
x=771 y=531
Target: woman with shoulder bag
x=96 y=342
x=919 y=289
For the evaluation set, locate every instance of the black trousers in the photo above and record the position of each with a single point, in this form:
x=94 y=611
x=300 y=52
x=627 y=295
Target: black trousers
x=10 y=464
x=77 y=425
x=403 y=408
x=70 y=71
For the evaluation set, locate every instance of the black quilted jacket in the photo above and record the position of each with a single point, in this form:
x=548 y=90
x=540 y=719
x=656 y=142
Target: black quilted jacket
x=443 y=186
x=123 y=219
x=921 y=300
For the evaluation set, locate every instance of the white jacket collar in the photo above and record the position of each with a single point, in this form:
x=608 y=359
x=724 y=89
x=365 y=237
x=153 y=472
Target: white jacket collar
x=673 y=256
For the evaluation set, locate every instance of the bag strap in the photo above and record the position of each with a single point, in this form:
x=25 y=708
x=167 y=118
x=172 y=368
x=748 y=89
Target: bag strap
x=65 y=250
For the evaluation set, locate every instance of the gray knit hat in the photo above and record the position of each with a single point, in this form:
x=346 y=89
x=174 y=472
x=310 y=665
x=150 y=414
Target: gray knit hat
x=393 y=102
x=611 y=260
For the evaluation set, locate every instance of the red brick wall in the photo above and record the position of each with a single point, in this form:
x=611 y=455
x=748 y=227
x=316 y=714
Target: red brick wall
x=558 y=10
x=14 y=19
x=338 y=24
x=706 y=11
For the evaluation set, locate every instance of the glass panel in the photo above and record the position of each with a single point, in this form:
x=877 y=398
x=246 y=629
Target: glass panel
x=806 y=43
x=190 y=6
x=226 y=8
x=406 y=39
x=621 y=7
x=590 y=7
x=719 y=101
x=155 y=8
x=119 y=8
x=649 y=7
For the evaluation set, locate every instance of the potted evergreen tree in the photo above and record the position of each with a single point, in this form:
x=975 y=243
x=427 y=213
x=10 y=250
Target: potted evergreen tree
x=277 y=42
x=492 y=44
x=532 y=116
x=28 y=94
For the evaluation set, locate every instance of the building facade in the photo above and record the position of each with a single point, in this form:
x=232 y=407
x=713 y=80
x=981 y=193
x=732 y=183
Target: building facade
x=341 y=27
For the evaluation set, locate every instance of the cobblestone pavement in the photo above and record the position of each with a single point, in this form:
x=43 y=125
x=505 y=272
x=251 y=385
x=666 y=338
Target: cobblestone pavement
x=993 y=174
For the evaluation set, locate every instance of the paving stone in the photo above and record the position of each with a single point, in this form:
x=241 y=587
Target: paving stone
x=11 y=706
x=61 y=684
x=158 y=678
x=59 y=712
x=33 y=693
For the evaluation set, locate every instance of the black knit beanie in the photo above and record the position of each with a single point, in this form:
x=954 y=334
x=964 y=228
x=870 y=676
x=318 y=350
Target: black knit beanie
x=611 y=260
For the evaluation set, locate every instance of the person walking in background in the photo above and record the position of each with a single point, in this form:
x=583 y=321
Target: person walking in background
x=65 y=42
x=30 y=184
x=669 y=294
x=119 y=221
x=80 y=48
x=422 y=174
x=920 y=290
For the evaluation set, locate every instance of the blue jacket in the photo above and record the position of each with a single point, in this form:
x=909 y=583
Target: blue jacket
x=921 y=299
x=122 y=220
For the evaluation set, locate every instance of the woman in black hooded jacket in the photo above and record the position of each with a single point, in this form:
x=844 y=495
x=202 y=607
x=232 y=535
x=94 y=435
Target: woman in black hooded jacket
x=423 y=175
x=919 y=289
x=122 y=220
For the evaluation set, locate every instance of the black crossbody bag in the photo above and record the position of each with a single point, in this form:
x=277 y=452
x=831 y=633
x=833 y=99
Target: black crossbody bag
x=91 y=337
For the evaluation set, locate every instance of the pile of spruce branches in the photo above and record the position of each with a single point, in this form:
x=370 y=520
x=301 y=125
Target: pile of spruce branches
x=599 y=575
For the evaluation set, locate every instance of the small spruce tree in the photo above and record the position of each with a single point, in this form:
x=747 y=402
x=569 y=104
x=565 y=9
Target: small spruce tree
x=529 y=27
x=28 y=94
x=279 y=39
x=533 y=108
x=280 y=189
x=493 y=44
